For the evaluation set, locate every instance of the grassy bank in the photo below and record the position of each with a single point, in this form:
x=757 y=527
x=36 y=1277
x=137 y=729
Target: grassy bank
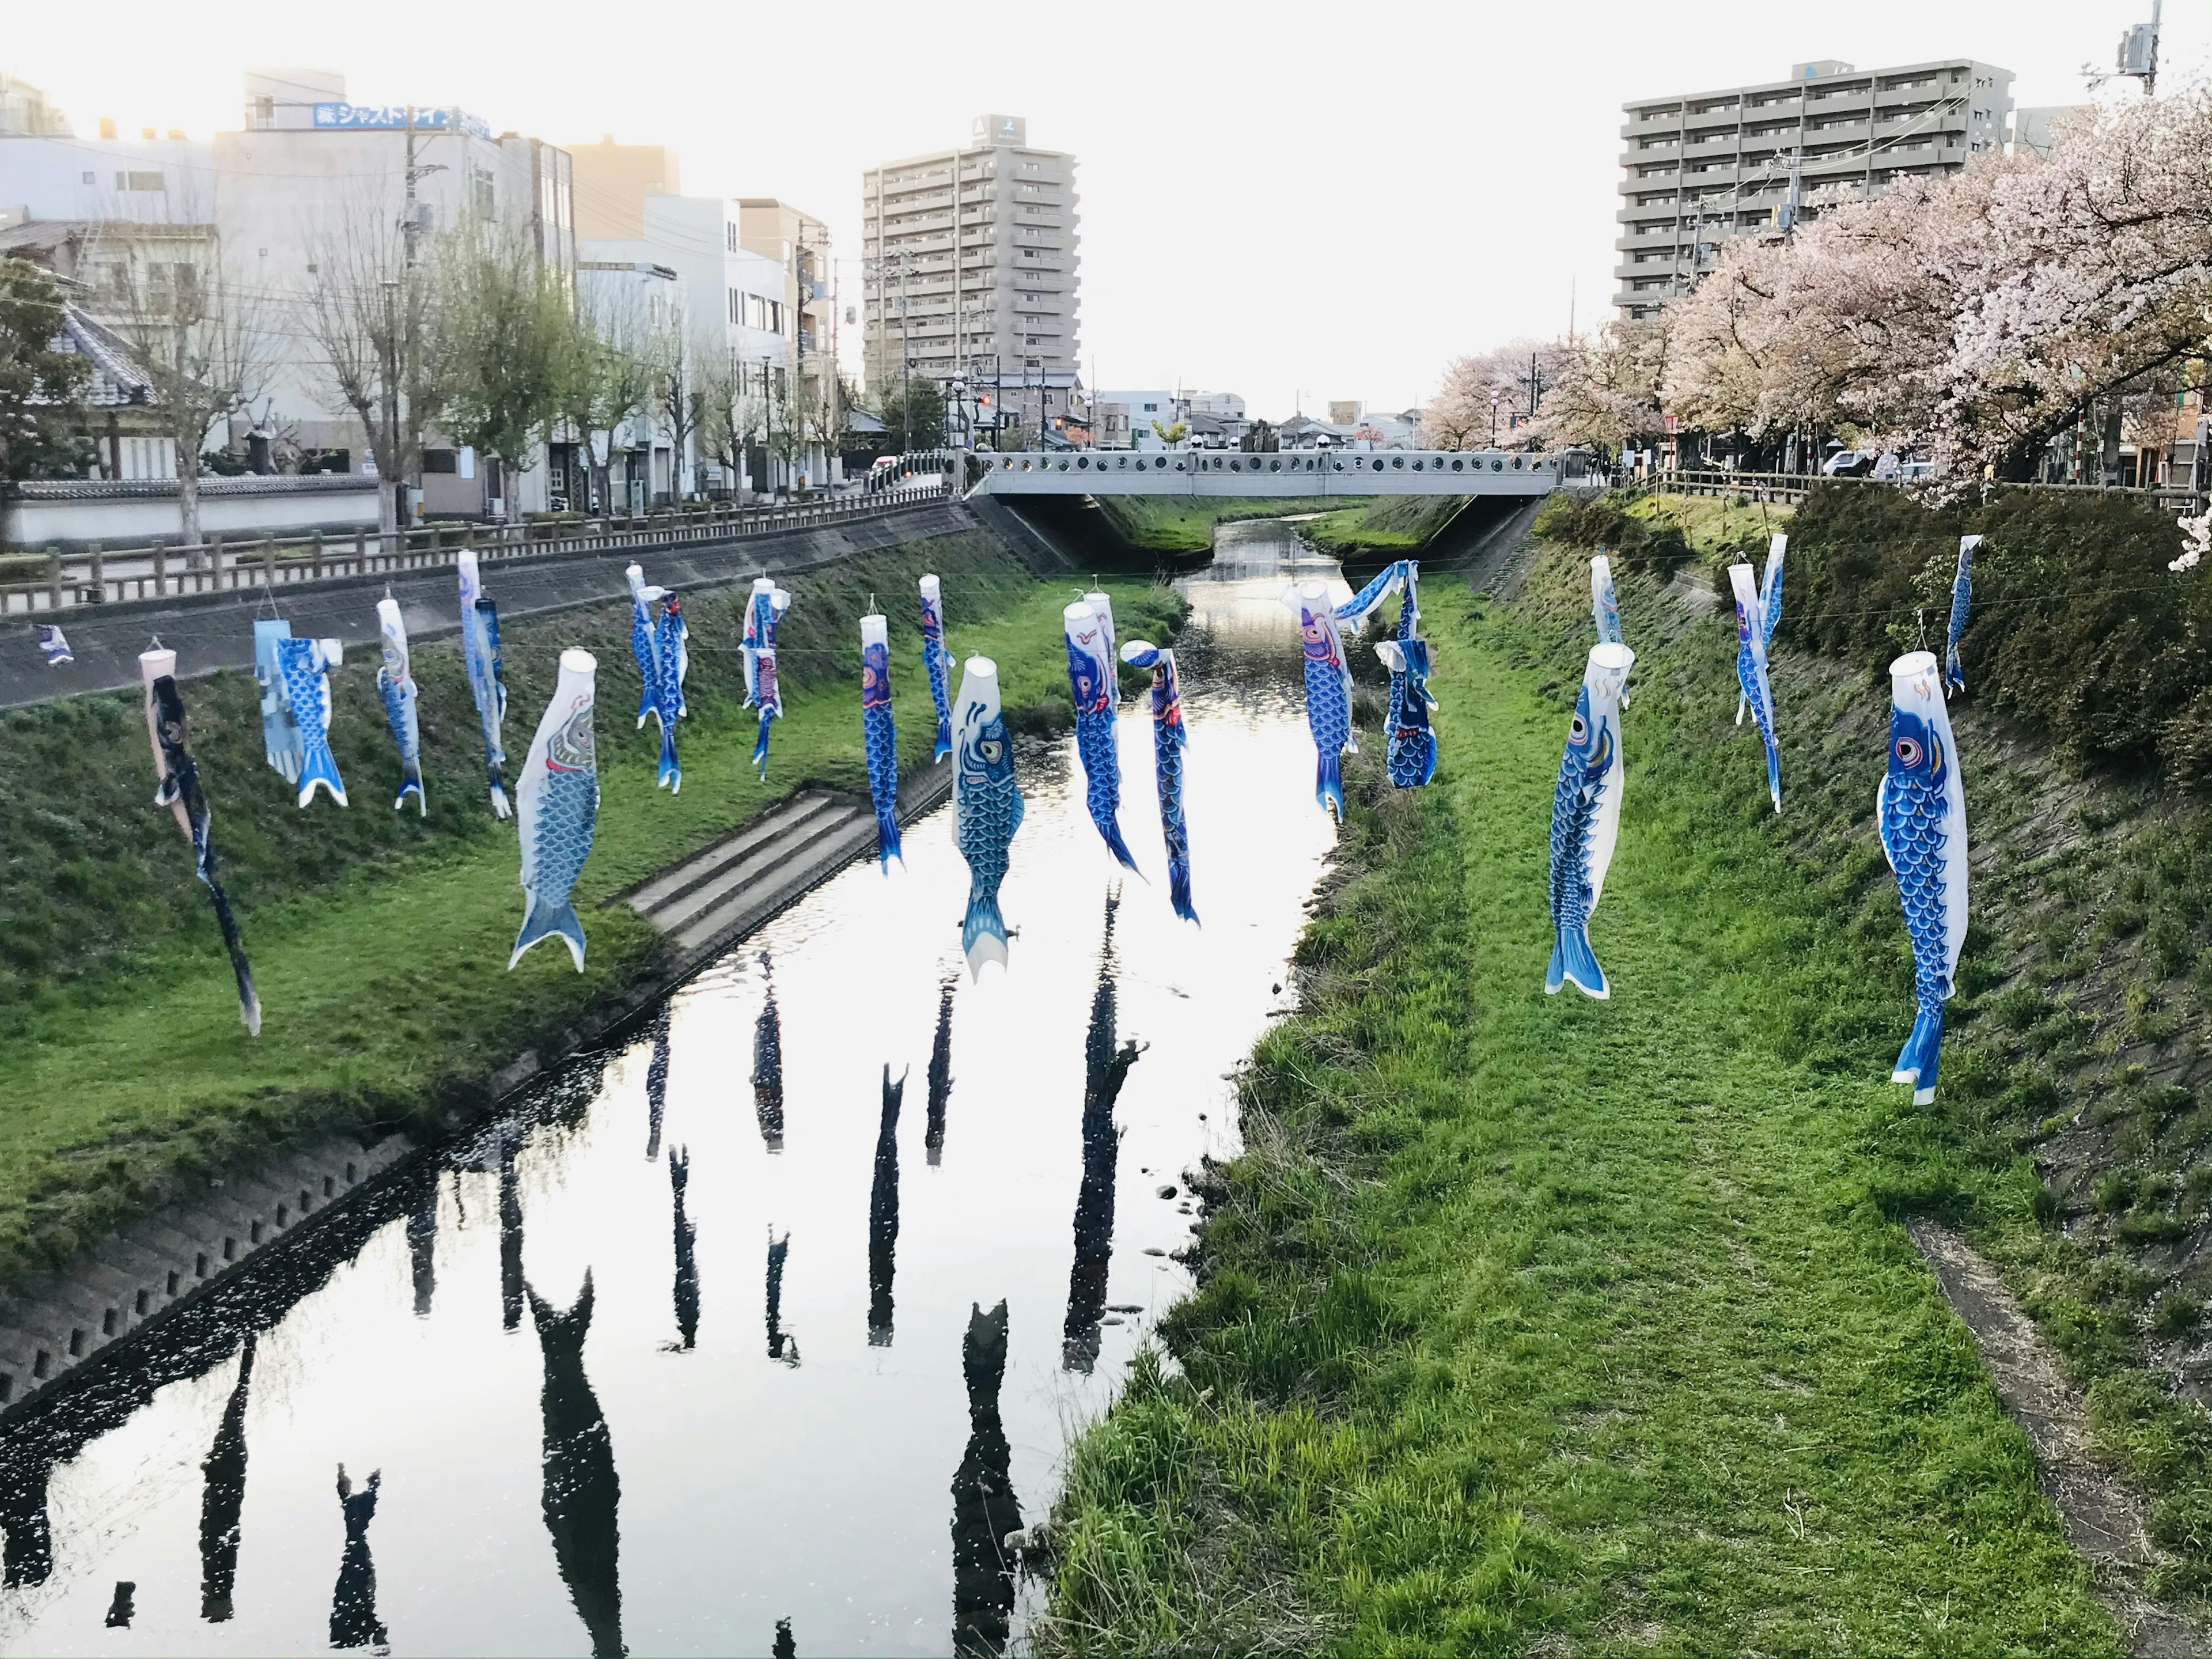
x=379 y=941
x=1527 y=1319
x=1388 y=524
x=1184 y=524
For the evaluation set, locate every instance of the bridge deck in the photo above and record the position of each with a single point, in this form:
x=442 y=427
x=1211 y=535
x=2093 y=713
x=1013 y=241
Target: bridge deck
x=1293 y=472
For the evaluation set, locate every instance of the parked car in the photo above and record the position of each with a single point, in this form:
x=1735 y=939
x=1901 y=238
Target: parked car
x=1849 y=464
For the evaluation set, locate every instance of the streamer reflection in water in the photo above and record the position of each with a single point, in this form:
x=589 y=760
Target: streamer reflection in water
x=354 y=1622
x=510 y=1233
x=423 y=1246
x=224 y=1498
x=768 y=1064
x=782 y=1344
x=687 y=1260
x=1104 y=1069
x=940 y=1073
x=984 y=1507
x=656 y=1087
x=883 y=1215
x=582 y=1493
x=28 y=1555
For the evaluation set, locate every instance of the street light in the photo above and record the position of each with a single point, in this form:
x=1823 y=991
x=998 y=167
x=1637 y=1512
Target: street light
x=1493 y=419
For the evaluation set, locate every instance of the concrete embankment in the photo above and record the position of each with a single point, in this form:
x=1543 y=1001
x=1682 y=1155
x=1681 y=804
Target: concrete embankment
x=208 y=631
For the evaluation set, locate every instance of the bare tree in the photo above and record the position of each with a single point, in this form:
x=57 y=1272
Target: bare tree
x=729 y=416
x=609 y=371
x=510 y=319
x=681 y=411
x=195 y=332
x=375 y=317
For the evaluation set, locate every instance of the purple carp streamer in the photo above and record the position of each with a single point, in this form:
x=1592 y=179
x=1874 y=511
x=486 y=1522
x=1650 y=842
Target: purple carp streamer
x=1770 y=607
x=1328 y=687
x=879 y=737
x=1168 y=737
x=937 y=660
x=1410 y=756
x=1751 y=671
x=181 y=792
x=486 y=686
x=1089 y=627
x=1921 y=810
x=768 y=603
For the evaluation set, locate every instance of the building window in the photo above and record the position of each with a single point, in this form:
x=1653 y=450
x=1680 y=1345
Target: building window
x=139 y=181
x=90 y=177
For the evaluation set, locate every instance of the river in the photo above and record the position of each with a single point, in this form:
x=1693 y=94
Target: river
x=783 y=1419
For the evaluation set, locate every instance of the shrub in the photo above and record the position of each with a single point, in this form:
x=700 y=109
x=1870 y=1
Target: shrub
x=2079 y=630
x=1603 y=524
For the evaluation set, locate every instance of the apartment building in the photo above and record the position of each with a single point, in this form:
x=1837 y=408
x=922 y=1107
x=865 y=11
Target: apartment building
x=799 y=242
x=1699 y=168
x=613 y=180
x=971 y=265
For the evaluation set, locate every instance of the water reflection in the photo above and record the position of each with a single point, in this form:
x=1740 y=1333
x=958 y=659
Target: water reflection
x=687 y=1258
x=984 y=1507
x=422 y=1248
x=782 y=1344
x=785 y=1648
x=1104 y=1069
x=354 y=1622
x=656 y=1087
x=884 y=1215
x=940 y=1072
x=123 y=1607
x=28 y=1556
x=582 y=1493
x=510 y=1231
x=767 y=1064
x=224 y=1497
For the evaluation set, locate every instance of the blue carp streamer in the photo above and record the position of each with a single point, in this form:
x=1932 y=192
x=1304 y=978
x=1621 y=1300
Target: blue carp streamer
x=54 y=646
x=306 y=665
x=181 y=792
x=1962 y=604
x=656 y=639
x=280 y=736
x=1770 y=607
x=395 y=688
x=1751 y=671
x=487 y=686
x=879 y=737
x=937 y=660
x=1605 y=608
x=986 y=807
x=557 y=801
x=1921 y=811
x=1089 y=627
x=1328 y=689
x=1586 y=820
x=768 y=604
x=1410 y=756
x=1168 y=737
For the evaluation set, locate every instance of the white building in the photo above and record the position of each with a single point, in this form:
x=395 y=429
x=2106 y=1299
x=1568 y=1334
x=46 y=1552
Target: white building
x=1125 y=419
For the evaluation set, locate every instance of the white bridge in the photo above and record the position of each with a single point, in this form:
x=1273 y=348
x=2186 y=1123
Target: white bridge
x=1290 y=473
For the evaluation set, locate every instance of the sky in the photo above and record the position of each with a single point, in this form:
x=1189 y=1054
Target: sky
x=1298 y=203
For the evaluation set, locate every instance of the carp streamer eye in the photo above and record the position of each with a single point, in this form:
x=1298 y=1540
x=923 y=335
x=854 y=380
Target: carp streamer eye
x=1578 y=731
x=991 y=751
x=1908 y=751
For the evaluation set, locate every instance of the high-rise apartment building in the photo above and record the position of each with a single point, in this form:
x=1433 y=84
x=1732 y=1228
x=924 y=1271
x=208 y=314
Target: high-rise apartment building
x=1696 y=169
x=971 y=266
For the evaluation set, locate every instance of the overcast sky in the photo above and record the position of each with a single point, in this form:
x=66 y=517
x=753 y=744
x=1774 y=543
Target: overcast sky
x=1289 y=201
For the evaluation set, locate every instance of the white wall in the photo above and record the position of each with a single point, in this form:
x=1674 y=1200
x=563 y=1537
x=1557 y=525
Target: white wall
x=145 y=521
x=75 y=178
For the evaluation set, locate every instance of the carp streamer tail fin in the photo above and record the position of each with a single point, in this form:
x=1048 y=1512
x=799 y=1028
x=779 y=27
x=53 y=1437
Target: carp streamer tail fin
x=672 y=775
x=411 y=785
x=1111 y=829
x=548 y=921
x=1179 y=888
x=1917 y=1064
x=319 y=769
x=887 y=835
x=1573 y=961
x=1328 y=783
x=983 y=931
x=943 y=738
x=1774 y=774
x=499 y=809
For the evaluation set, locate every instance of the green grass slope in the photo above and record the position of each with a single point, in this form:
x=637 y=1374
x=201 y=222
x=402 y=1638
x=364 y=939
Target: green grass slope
x=1543 y=1321
x=379 y=940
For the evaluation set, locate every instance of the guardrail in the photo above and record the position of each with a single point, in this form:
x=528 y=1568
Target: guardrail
x=64 y=580
x=1792 y=486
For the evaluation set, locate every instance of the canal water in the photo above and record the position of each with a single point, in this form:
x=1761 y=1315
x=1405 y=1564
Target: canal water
x=701 y=1351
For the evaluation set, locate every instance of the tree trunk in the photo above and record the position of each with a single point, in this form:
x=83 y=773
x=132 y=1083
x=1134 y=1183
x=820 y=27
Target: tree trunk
x=387 y=502
x=188 y=507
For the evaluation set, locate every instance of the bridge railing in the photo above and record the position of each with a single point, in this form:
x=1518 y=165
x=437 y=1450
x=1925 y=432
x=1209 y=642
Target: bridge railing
x=1311 y=471
x=35 y=583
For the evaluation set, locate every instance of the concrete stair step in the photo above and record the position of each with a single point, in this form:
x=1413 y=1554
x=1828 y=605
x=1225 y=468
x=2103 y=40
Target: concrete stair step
x=662 y=891
x=749 y=904
x=680 y=918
